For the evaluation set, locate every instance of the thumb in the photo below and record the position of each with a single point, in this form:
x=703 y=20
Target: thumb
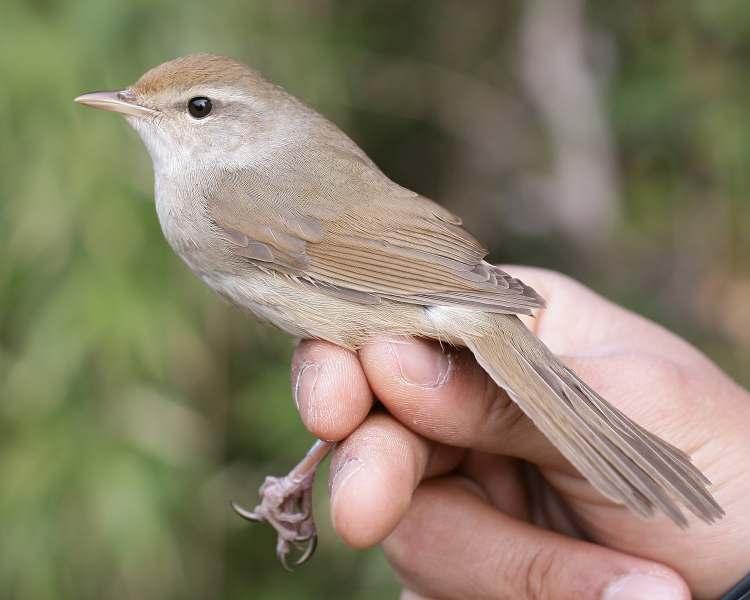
x=452 y=544
x=578 y=322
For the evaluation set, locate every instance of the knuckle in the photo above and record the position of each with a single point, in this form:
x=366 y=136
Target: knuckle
x=539 y=573
x=663 y=377
x=659 y=370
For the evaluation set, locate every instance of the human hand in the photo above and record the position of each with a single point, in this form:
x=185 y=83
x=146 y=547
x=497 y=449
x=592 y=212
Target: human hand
x=470 y=500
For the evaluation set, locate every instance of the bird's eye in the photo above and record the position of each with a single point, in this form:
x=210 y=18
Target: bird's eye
x=199 y=107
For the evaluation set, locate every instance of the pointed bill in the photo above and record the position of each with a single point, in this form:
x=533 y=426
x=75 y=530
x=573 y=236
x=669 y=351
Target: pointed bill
x=122 y=102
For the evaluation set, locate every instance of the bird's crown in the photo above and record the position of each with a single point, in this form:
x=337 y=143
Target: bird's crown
x=194 y=70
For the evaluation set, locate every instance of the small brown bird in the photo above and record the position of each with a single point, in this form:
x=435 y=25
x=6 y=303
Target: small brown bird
x=280 y=212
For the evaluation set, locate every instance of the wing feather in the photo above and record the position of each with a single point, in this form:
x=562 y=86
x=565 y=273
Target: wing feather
x=408 y=250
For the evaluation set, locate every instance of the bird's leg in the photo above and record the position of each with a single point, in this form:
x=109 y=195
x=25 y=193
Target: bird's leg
x=286 y=505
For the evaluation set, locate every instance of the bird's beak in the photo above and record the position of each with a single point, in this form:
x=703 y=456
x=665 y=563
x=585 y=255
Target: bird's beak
x=123 y=102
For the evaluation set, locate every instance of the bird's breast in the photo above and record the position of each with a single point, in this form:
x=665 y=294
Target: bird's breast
x=183 y=217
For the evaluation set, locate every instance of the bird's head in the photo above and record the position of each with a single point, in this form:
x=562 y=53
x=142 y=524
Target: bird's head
x=203 y=108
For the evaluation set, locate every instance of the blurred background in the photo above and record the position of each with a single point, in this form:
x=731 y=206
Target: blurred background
x=607 y=140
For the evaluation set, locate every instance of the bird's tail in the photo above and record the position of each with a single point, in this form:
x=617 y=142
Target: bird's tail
x=622 y=460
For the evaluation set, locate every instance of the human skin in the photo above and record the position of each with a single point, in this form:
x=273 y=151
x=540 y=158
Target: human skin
x=469 y=500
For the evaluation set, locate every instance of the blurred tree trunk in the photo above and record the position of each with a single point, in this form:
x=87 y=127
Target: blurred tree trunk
x=580 y=195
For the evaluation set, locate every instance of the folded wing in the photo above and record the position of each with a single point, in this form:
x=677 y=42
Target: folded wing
x=409 y=249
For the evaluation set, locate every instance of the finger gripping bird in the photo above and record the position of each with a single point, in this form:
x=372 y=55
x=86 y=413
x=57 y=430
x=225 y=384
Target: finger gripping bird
x=276 y=209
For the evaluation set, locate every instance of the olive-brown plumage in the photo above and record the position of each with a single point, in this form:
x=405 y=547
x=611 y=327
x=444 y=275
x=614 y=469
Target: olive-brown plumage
x=279 y=211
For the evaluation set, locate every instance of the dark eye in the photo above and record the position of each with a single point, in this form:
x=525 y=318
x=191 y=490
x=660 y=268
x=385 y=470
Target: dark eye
x=199 y=107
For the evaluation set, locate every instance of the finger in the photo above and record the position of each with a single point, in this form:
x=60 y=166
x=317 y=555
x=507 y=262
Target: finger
x=445 y=396
x=606 y=344
x=409 y=595
x=502 y=479
x=374 y=473
x=579 y=322
x=330 y=389
x=452 y=544
x=517 y=489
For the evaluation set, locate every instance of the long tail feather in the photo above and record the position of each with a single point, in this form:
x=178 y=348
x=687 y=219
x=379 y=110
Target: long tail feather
x=620 y=458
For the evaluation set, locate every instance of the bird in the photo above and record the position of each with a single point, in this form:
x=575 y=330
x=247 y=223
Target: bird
x=280 y=212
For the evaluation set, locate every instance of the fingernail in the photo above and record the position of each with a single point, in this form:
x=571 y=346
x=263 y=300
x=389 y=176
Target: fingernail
x=342 y=474
x=421 y=363
x=638 y=586
x=304 y=385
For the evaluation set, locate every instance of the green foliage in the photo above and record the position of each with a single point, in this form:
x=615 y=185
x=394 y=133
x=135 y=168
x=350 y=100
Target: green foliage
x=134 y=405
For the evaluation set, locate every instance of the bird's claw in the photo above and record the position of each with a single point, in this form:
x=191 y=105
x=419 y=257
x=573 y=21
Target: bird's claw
x=246 y=514
x=286 y=505
x=305 y=547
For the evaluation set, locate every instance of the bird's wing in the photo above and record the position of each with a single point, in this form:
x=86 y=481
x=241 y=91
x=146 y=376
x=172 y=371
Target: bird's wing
x=409 y=250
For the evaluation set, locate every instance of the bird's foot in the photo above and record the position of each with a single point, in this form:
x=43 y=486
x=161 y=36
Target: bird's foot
x=286 y=505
